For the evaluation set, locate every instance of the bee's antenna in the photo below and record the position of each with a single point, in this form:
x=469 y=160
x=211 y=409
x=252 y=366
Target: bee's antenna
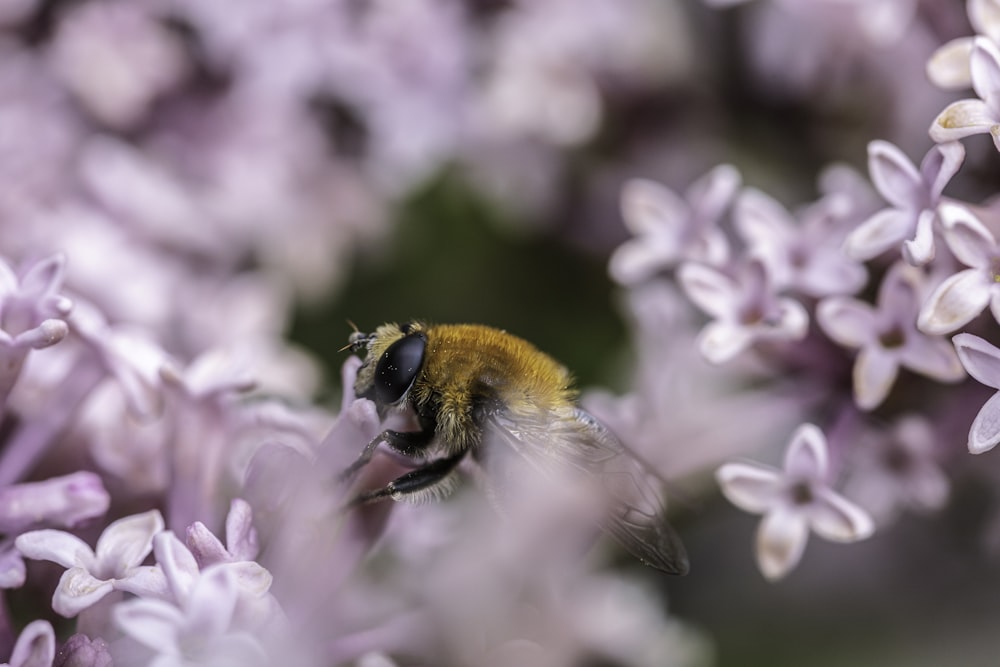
x=354 y=338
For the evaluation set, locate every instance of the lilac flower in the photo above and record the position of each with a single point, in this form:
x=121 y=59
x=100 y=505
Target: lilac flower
x=948 y=67
x=198 y=630
x=35 y=647
x=58 y=501
x=93 y=573
x=975 y=116
x=982 y=360
x=793 y=501
x=82 y=651
x=897 y=469
x=669 y=229
x=887 y=337
x=798 y=255
x=962 y=296
x=913 y=196
x=745 y=308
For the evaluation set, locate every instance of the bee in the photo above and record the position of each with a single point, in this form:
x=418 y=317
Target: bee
x=472 y=388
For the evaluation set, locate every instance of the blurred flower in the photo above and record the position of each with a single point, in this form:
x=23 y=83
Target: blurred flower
x=793 y=501
x=82 y=651
x=62 y=501
x=982 y=361
x=669 y=229
x=745 y=307
x=887 y=337
x=914 y=197
x=949 y=66
x=965 y=294
x=93 y=573
x=975 y=116
x=36 y=646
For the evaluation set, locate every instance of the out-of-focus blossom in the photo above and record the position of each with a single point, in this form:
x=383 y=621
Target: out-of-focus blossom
x=93 y=573
x=669 y=229
x=744 y=306
x=35 y=647
x=887 y=337
x=964 y=295
x=799 y=255
x=898 y=469
x=59 y=501
x=793 y=501
x=949 y=66
x=914 y=197
x=980 y=115
x=82 y=651
x=982 y=360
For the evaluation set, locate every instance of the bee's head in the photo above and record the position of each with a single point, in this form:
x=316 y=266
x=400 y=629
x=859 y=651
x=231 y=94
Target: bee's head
x=393 y=357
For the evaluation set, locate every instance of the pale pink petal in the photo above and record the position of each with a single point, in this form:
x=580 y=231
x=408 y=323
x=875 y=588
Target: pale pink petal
x=940 y=164
x=955 y=302
x=985 y=431
x=761 y=219
x=920 y=250
x=57 y=546
x=875 y=372
x=980 y=358
x=835 y=518
x=12 y=570
x=77 y=590
x=984 y=65
x=806 y=456
x=35 y=647
x=205 y=546
x=752 y=488
x=710 y=289
x=650 y=208
x=894 y=175
x=153 y=623
x=933 y=357
x=881 y=232
x=721 y=341
x=126 y=542
x=962 y=119
x=969 y=239
x=847 y=321
x=948 y=67
x=710 y=195
x=781 y=541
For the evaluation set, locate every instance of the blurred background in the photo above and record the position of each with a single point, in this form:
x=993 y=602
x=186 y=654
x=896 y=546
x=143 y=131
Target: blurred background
x=279 y=168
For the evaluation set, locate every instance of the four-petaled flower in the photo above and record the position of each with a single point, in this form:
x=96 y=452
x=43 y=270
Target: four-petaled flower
x=975 y=116
x=913 y=196
x=668 y=229
x=744 y=306
x=962 y=296
x=887 y=337
x=793 y=501
x=93 y=573
x=982 y=360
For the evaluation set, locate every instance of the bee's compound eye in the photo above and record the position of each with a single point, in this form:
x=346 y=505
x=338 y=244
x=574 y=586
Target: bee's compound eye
x=398 y=368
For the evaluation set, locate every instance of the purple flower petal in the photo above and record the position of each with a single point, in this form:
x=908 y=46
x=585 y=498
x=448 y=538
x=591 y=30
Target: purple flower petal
x=153 y=623
x=752 y=488
x=955 y=302
x=711 y=194
x=967 y=237
x=980 y=358
x=720 y=342
x=710 y=289
x=835 y=518
x=875 y=372
x=77 y=590
x=35 y=647
x=847 y=321
x=781 y=541
x=879 y=233
x=205 y=546
x=894 y=175
x=179 y=565
x=56 y=546
x=212 y=602
x=940 y=165
x=125 y=543
x=241 y=537
x=806 y=456
x=933 y=357
x=985 y=431
x=984 y=65
x=920 y=250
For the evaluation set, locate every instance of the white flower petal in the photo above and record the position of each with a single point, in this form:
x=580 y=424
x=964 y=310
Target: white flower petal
x=933 y=357
x=969 y=239
x=985 y=431
x=650 y=208
x=125 y=543
x=984 y=65
x=940 y=164
x=806 y=456
x=752 y=488
x=835 y=518
x=948 y=67
x=881 y=232
x=251 y=577
x=12 y=570
x=985 y=17
x=980 y=358
x=792 y=324
x=212 y=602
x=847 y=321
x=57 y=546
x=962 y=119
x=720 y=342
x=874 y=373
x=710 y=195
x=760 y=219
x=179 y=565
x=35 y=647
x=894 y=175
x=955 y=302
x=710 y=289
x=638 y=259
x=154 y=623
x=145 y=581
x=781 y=541
x=920 y=250
x=77 y=590
x=832 y=272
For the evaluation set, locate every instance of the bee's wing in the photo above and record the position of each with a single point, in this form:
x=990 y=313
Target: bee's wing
x=637 y=517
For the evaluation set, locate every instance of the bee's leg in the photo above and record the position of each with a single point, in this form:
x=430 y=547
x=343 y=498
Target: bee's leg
x=422 y=479
x=408 y=443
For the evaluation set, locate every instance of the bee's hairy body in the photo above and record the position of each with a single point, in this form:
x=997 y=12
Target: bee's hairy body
x=463 y=381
